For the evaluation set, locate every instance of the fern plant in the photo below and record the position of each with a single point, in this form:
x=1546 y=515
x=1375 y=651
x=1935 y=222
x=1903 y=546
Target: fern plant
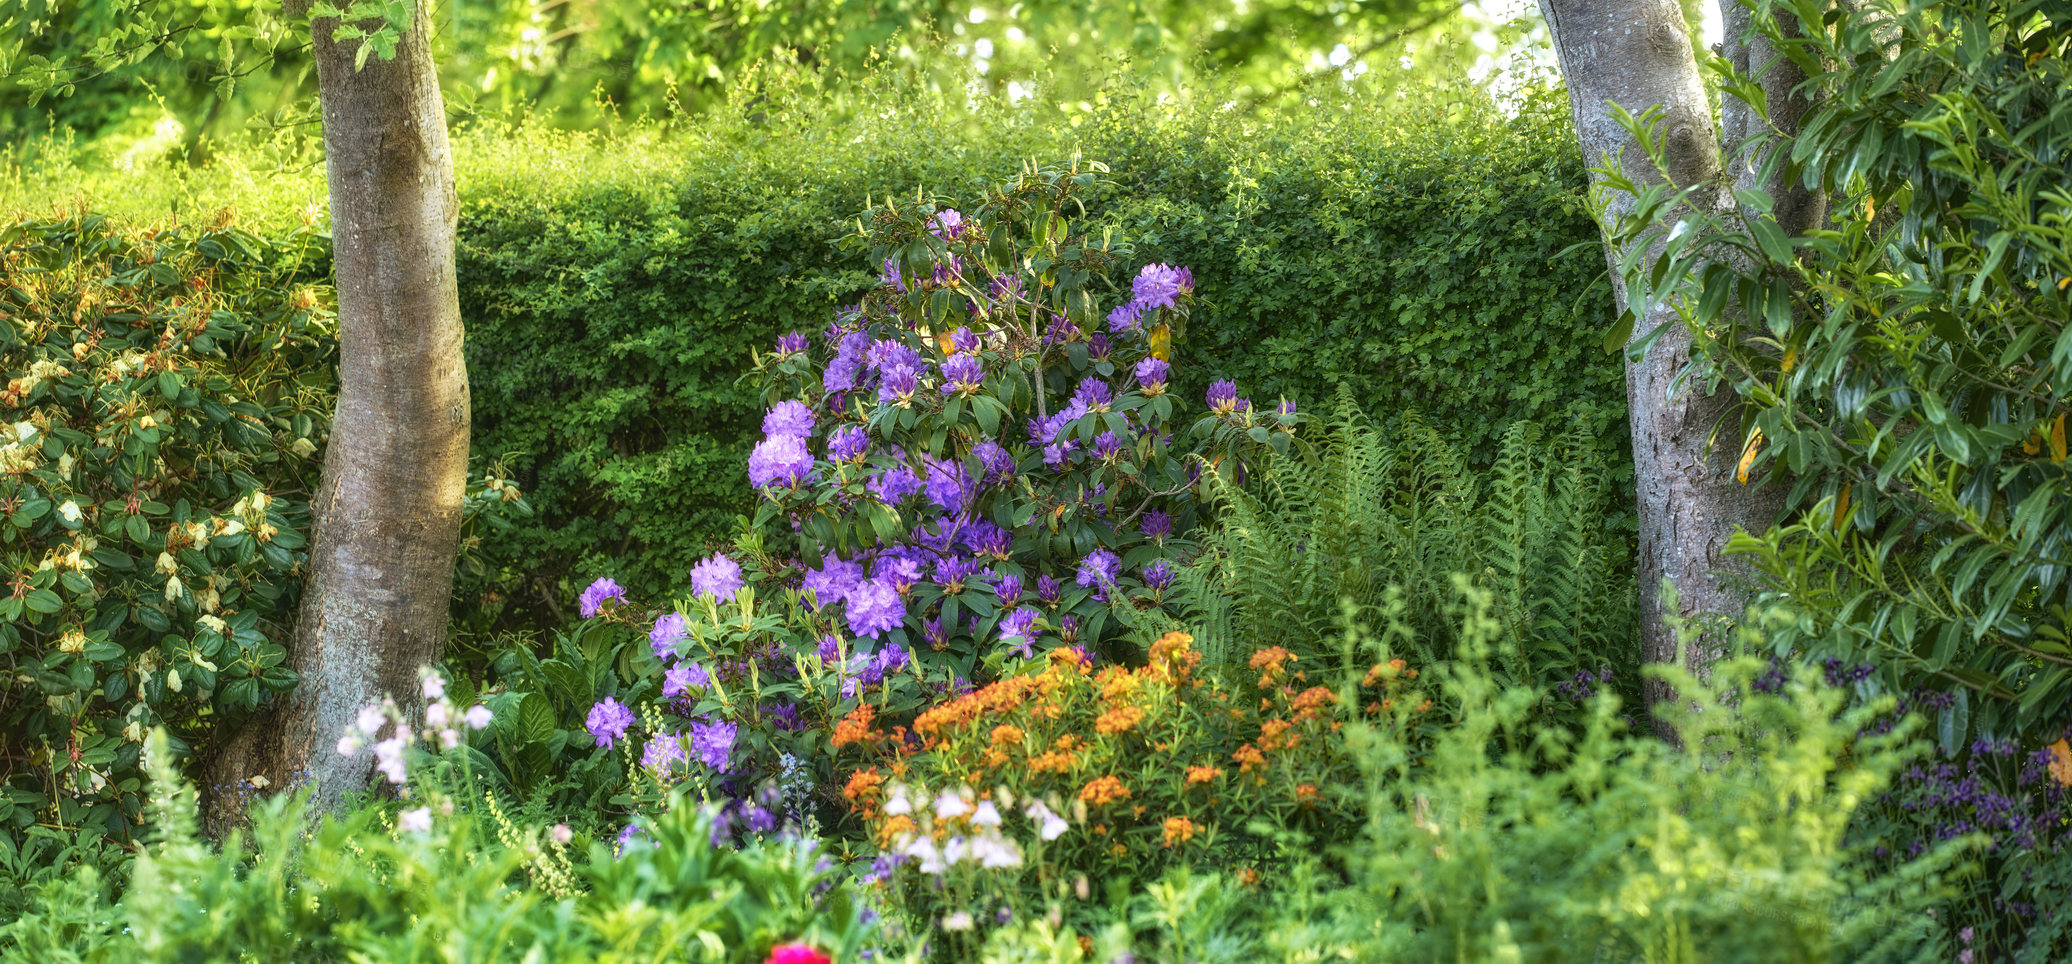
x=1380 y=518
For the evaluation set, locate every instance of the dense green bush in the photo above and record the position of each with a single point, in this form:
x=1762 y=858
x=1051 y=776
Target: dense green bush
x=167 y=392
x=615 y=288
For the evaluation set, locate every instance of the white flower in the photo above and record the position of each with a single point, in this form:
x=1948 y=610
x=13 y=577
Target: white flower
x=477 y=716
x=388 y=758
x=348 y=744
x=922 y=850
x=996 y=852
x=950 y=806
x=370 y=719
x=959 y=921
x=897 y=803
x=211 y=623
x=438 y=714
x=1049 y=826
x=449 y=738
x=561 y=834
x=954 y=850
x=415 y=821
x=69 y=512
x=434 y=686
x=985 y=815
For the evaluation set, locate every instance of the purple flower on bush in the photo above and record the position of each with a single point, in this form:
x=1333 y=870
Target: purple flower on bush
x=898 y=385
x=888 y=275
x=962 y=374
x=886 y=354
x=682 y=678
x=891 y=659
x=1094 y=394
x=608 y=721
x=849 y=443
x=1161 y=286
x=1009 y=590
x=716 y=576
x=592 y=601
x=1157 y=525
x=965 y=341
x=832 y=580
x=952 y=571
x=782 y=460
x=668 y=631
x=874 y=609
x=893 y=486
x=1016 y=629
x=948 y=486
x=986 y=539
x=830 y=649
x=1055 y=454
x=1152 y=374
x=1006 y=286
x=791 y=344
x=994 y=459
x=663 y=750
x=1045 y=431
x=628 y=835
x=1158 y=576
x=1048 y=590
x=848 y=362
x=1222 y=396
x=1100 y=568
x=932 y=631
x=947 y=224
x=899 y=568
x=789 y=417
x=1107 y=445
x=713 y=744
x=1097 y=347
x=1060 y=331
x=1286 y=409
x=1125 y=318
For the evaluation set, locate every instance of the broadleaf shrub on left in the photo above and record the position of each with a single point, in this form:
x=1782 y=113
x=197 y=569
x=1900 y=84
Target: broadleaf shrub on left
x=167 y=395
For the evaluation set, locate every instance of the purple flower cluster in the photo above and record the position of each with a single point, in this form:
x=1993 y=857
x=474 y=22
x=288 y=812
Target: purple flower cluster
x=593 y=599
x=713 y=744
x=788 y=417
x=1099 y=569
x=780 y=461
x=679 y=680
x=669 y=630
x=874 y=609
x=608 y=721
x=1152 y=374
x=1222 y=397
x=849 y=443
x=1584 y=684
x=1156 y=286
x=716 y=576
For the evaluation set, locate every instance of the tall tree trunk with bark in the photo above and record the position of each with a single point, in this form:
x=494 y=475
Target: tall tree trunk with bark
x=1636 y=54
x=388 y=512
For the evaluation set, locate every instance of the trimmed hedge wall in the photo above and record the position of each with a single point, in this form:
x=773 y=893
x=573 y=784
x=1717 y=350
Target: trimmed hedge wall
x=1414 y=245
x=615 y=288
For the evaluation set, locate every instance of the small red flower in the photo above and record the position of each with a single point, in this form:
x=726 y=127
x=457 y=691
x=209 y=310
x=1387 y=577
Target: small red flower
x=797 y=954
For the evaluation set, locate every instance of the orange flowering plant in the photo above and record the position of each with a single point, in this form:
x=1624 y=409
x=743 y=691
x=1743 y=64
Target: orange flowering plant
x=1117 y=771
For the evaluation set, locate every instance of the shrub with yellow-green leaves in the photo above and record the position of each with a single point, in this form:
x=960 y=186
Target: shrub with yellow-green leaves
x=165 y=400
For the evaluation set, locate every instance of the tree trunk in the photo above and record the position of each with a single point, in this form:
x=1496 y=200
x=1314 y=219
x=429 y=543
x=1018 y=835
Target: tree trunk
x=387 y=514
x=1637 y=54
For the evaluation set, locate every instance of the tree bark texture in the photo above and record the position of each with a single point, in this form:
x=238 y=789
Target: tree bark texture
x=1686 y=443
x=387 y=513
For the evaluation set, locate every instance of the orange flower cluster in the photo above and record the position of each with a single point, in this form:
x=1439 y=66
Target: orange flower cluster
x=856 y=727
x=1271 y=660
x=1122 y=719
x=1178 y=830
x=1392 y=669
x=1249 y=758
x=1173 y=657
x=1202 y=774
x=862 y=791
x=999 y=697
x=1104 y=790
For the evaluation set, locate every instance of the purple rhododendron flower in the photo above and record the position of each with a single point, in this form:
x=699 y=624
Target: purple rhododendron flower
x=886 y=354
x=713 y=744
x=684 y=677
x=1048 y=590
x=791 y=344
x=849 y=443
x=663 y=750
x=716 y=576
x=1099 y=568
x=842 y=370
x=608 y=721
x=897 y=385
x=832 y=580
x=1158 y=576
x=952 y=571
x=994 y=459
x=1046 y=431
x=604 y=590
x=1222 y=396
x=898 y=570
x=965 y=341
x=962 y=373
x=628 y=835
x=932 y=631
x=1285 y=409
x=1097 y=347
x=948 y=485
x=830 y=649
x=669 y=630
x=1056 y=454
x=1016 y=628
x=984 y=538
x=1161 y=286
x=1009 y=589
x=788 y=417
x=781 y=460
x=1152 y=374
x=1006 y=286
x=1094 y=393
x=893 y=486
x=1107 y=445
x=1156 y=524
x=888 y=275
x=891 y=659
x=1125 y=318
x=1060 y=331
x=874 y=609
x=947 y=224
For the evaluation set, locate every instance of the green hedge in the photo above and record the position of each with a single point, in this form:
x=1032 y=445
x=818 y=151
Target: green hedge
x=1414 y=246
x=614 y=288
